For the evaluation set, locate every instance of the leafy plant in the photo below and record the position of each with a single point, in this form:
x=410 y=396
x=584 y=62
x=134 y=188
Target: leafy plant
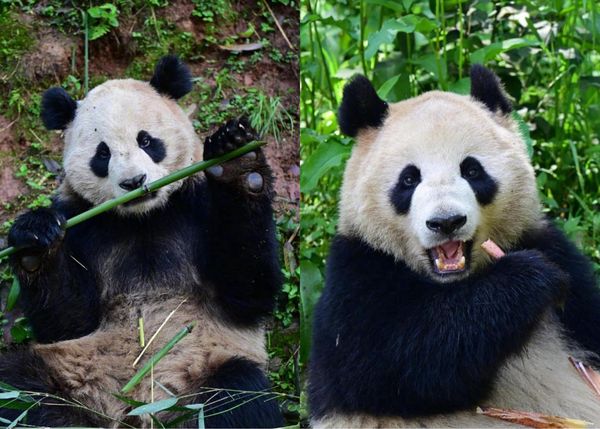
x=101 y=19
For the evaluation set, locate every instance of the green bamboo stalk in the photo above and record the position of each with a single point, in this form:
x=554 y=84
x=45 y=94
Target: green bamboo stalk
x=137 y=378
x=151 y=187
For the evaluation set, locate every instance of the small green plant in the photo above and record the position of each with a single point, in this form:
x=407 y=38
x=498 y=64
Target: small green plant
x=101 y=19
x=268 y=116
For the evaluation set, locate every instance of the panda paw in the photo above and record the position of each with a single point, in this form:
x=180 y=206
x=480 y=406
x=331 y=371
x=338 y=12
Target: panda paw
x=542 y=273
x=249 y=170
x=35 y=235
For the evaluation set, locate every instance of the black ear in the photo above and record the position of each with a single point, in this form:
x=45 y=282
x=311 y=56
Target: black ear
x=58 y=109
x=172 y=77
x=361 y=107
x=486 y=88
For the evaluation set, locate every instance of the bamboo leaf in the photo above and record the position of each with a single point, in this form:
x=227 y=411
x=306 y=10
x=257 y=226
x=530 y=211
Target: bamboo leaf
x=153 y=407
x=13 y=294
x=327 y=155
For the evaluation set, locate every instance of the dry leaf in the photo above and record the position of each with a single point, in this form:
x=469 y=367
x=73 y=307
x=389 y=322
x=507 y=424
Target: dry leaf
x=534 y=420
x=247 y=47
x=591 y=377
x=492 y=249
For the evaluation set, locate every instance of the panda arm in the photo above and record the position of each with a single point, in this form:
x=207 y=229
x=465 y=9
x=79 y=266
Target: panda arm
x=580 y=313
x=58 y=293
x=388 y=341
x=241 y=258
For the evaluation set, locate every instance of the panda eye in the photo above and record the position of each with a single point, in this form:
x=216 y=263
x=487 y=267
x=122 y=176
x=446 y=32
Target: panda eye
x=409 y=180
x=103 y=151
x=472 y=173
x=410 y=177
x=145 y=141
x=471 y=169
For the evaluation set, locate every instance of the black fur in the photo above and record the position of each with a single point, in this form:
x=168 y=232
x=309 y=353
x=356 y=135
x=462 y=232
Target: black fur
x=172 y=77
x=361 y=107
x=100 y=160
x=155 y=148
x=230 y=235
x=483 y=185
x=241 y=238
x=388 y=341
x=580 y=313
x=486 y=88
x=255 y=407
x=401 y=194
x=58 y=109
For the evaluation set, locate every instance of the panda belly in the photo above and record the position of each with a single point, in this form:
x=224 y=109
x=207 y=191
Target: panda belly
x=540 y=379
x=90 y=369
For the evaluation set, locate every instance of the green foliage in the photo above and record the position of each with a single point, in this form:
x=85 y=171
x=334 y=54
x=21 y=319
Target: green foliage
x=546 y=53
x=14 y=37
x=101 y=19
x=209 y=10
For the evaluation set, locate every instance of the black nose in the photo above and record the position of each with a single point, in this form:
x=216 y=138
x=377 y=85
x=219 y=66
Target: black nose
x=447 y=225
x=133 y=183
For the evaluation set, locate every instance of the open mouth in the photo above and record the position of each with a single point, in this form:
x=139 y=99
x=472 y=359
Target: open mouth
x=141 y=200
x=450 y=257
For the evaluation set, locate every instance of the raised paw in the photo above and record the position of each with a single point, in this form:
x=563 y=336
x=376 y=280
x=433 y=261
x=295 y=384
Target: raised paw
x=248 y=170
x=35 y=235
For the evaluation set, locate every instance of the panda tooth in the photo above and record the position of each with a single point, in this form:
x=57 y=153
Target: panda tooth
x=461 y=263
x=439 y=264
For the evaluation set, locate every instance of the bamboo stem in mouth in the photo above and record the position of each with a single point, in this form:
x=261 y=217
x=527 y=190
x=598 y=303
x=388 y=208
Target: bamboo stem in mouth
x=151 y=187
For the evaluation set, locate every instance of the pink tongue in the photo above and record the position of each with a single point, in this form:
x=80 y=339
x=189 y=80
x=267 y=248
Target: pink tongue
x=450 y=249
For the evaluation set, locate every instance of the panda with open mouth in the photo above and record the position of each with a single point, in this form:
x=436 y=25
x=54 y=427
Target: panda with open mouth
x=417 y=325
x=200 y=251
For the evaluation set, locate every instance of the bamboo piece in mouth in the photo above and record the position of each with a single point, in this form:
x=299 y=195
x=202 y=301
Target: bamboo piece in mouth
x=151 y=187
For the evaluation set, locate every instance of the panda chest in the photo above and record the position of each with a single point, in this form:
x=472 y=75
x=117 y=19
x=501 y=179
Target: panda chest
x=148 y=261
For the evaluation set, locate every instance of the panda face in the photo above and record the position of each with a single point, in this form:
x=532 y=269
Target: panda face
x=441 y=175
x=124 y=135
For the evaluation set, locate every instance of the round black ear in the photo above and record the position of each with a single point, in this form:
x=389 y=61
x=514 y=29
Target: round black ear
x=172 y=77
x=486 y=88
x=361 y=107
x=58 y=109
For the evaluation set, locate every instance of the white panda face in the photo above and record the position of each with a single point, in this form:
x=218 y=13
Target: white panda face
x=436 y=179
x=124 y=135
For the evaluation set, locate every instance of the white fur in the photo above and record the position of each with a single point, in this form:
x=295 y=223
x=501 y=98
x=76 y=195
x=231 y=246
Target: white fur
x=114 y=113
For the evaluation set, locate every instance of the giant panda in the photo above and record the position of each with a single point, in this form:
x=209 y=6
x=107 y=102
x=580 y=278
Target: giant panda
x=201 y=250
x=417 y=325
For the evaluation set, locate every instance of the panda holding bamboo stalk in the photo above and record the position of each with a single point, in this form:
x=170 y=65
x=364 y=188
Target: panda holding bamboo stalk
x=200 y=251
x=417 y=325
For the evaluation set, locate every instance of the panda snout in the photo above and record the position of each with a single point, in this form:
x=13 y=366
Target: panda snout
x=446 y=225
x=133 y=183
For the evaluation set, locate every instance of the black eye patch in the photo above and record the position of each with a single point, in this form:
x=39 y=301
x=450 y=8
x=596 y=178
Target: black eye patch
x=402 y=192
x=100 y=160
x=155 y=148
x=483 y=185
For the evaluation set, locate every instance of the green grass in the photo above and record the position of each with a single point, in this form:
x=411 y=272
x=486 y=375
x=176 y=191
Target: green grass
x=546 y=53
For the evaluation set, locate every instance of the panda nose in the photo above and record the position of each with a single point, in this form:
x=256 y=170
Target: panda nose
x=133 y=183
x=447 y=225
